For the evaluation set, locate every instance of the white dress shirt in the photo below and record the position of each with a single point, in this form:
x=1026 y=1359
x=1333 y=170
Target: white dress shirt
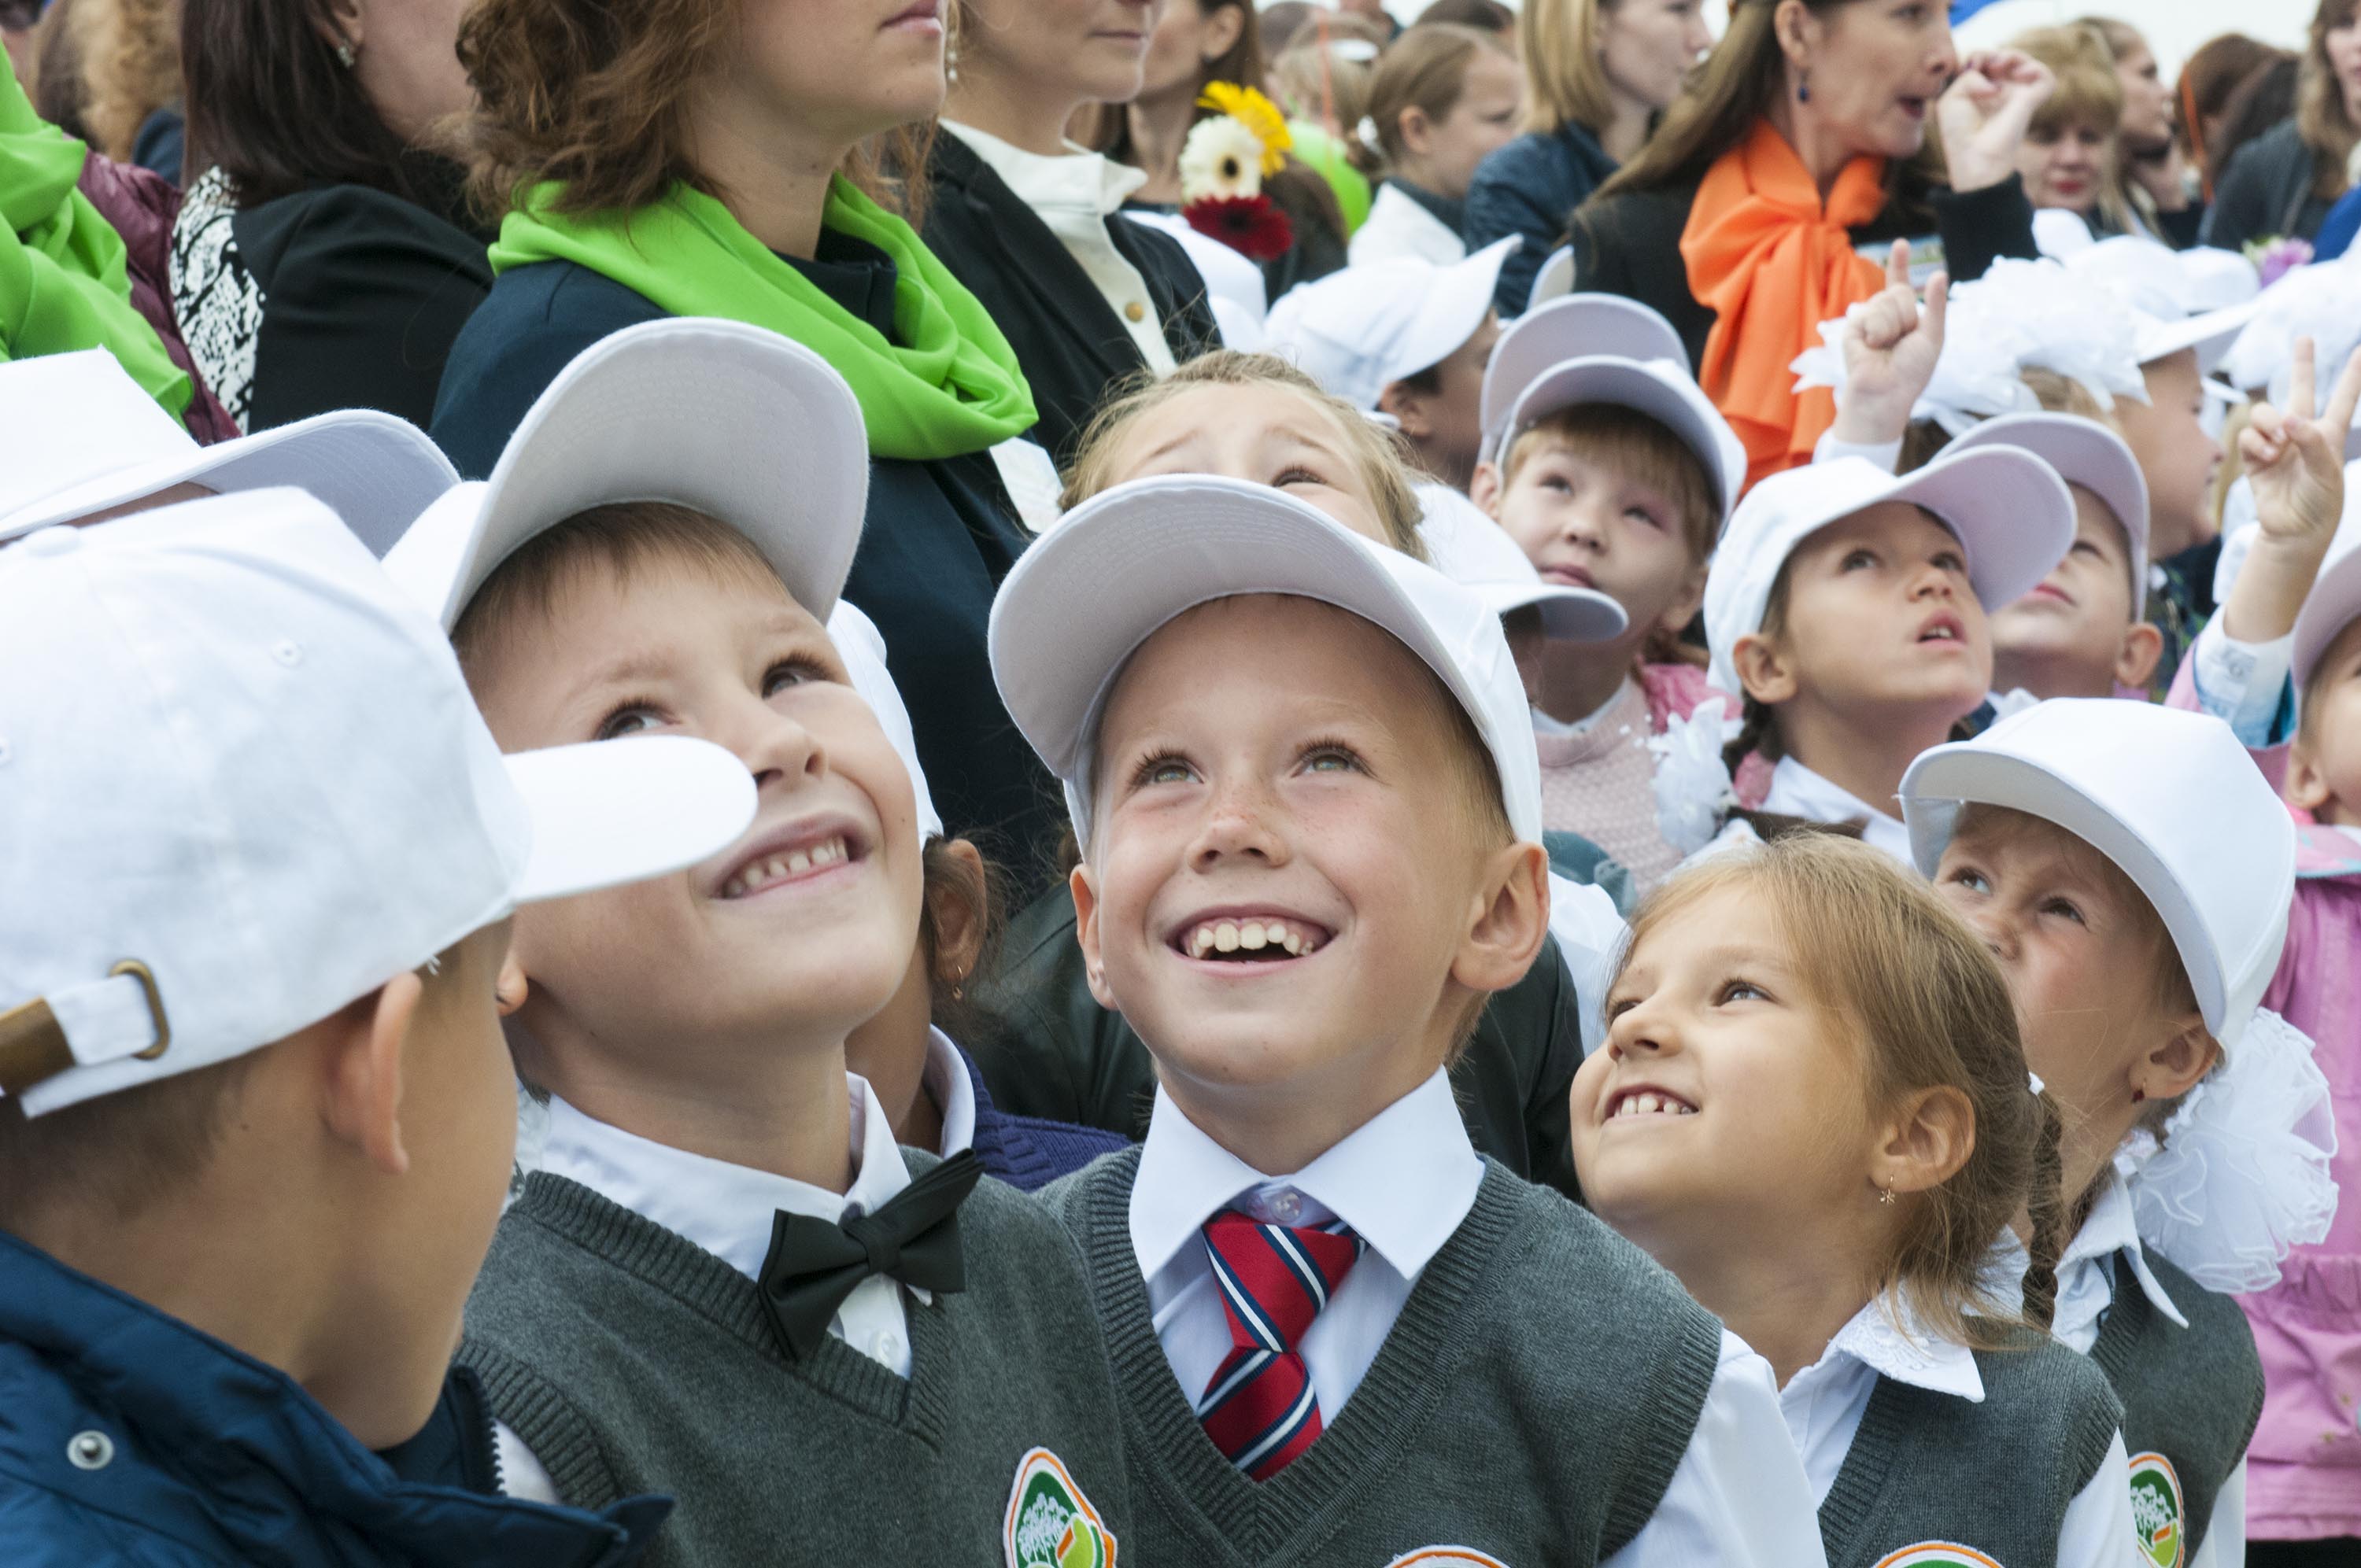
x=1824 y=1404
x=727 y=1209
x=1073 y=194
x=946 y=1079
x=2086 y=1288
x=1397 y=226
x=1404 y=1182
x=1796 y=791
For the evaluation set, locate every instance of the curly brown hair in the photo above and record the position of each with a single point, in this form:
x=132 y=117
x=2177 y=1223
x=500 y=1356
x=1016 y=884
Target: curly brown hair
x=596 y=96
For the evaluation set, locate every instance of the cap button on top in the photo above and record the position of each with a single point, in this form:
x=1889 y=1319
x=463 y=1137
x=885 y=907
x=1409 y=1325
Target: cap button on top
x=59 y=539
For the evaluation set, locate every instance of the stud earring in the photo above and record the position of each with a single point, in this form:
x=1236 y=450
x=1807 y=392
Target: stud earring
x=1804 y=86
x=1887 y=1196
x=345 y=55
x=2138 y=1095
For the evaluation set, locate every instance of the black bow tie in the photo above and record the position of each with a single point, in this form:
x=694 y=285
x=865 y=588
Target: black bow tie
x=814 y=1265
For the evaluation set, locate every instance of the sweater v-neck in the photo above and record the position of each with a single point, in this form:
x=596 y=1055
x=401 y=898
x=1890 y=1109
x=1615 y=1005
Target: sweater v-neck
x=672 y=1263
x=1411 y=1378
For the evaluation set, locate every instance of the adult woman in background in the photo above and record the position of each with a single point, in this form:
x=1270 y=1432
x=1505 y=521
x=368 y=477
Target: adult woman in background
x=1597 y=72
x=2067 y=157
x=1030 y=222
x=2208 y=79
x=2152 y=177
x=1197 y=42
x=2282 y=183
x=672 y=158
x=1797 y=145
x=1445 y=97
x=324 y=258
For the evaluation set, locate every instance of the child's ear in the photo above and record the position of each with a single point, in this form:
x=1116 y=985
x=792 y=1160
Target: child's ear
x=2136 y=657
x=1409 y=410
x=959 y=925
x=1086 y=931
x=1508 y=917
x=361 y=1087
x=1417 y=131
x=1485 y=489
x=2307 y=783
x=512 y=987
x=1683 y=609
x=1762 y=670
x=2175 y=1067
x=1926 y=1142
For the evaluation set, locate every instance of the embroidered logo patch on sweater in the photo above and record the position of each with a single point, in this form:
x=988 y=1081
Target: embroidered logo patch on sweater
x=2156 y=1509
x=1447 y=1557
x=1051 y=1523
x=1937 y=1554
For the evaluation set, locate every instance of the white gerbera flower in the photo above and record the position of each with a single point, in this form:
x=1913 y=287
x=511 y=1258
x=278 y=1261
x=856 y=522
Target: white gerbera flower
x=1221 y=158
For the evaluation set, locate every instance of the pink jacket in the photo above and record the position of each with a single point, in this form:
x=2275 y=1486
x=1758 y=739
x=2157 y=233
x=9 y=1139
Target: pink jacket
x=2303 y=1469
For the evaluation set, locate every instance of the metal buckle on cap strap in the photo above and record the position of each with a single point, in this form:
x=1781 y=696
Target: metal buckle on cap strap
x=34 y=1047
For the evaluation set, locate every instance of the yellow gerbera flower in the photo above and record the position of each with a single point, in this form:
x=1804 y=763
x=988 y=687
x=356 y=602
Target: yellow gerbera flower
x=1258 y=113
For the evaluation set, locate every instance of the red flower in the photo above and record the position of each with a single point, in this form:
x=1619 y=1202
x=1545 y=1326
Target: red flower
x=1247 y=224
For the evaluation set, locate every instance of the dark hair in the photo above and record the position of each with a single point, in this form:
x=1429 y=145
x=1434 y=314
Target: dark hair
x=2265 y=99
x=2208 y=77
x=59 y=91
x=1242 y=63
x=1736 y=86
x=1485 y=15
x=270 y=105
x=956 y=1011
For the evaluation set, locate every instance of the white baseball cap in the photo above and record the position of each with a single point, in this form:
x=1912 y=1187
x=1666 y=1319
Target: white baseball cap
x=2170 y=796
x=1554 y=281
x=2180 y=304
x=1661 y=388
x=1082 y=599
x=2084 y=453
x=863 y=648
x=743 y=424
x=83 y=438
x=1569 y=328
x=1358 y=330
x=242 y=784
x=2009 y=510
x=2335 y=598
x=1477 y=553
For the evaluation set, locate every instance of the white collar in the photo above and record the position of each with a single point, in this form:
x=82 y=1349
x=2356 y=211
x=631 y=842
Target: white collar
x=1888 y=1338
x=1545 y=724
x=2111 y=1227
x=1077 y=177
x=1796 y=791
x=946 y=1079
x=725 y=1209
x=1403 y=1180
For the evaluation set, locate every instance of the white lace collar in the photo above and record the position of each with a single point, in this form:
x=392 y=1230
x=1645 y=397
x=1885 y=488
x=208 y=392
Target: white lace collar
x=1889 y=1339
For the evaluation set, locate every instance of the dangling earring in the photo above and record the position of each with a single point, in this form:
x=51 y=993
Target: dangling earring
x=2138 y=1095
x=1887 y=1196
x=1804 y=86
x=345 y=55
x=951 y=65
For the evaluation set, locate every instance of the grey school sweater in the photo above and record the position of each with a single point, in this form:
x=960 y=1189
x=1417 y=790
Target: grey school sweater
x=2191 y=1398
x=1531 y=1402
x=631 y=1360
x=1931 y=1469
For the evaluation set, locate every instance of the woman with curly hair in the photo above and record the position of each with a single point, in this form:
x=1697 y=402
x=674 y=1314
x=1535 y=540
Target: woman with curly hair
x=713 y=158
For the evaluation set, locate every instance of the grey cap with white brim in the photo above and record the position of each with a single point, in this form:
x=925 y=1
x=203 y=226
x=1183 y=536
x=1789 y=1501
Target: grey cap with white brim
x=1661 y=388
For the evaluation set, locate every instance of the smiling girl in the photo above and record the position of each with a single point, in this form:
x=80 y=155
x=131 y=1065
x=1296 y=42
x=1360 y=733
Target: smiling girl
x=1812 y=1107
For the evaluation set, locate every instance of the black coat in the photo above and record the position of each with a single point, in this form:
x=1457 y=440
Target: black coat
x=2271 y=186
x=1630 y=243
x=1068 y=339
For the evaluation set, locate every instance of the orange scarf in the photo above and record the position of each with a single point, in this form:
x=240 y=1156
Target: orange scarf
x=1773 y=265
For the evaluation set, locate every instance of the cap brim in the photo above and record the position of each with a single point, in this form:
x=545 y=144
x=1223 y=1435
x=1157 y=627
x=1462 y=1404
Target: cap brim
x=2009 y=507
x=748 y=427
x=1568 y=614
x=1577 y=327
x=1092 y=590
x=374 y=471
x=1454 y=306
x=2211 y=334
x=1943 y=782
x=608 y=813
x=1661 y=390
x=2333 y=605
x=1554 y=281
x=2084 y=453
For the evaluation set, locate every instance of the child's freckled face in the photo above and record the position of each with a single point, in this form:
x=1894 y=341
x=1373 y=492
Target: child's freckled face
x=1319 y=808
x=1264 y=434
x=1880 y=613
x=807 y=923
x=1719 y=1069
x=2077 y=956
x=1584 y=525
x=2082 y=607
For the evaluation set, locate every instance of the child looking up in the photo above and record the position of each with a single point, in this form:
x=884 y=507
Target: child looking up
x=724 y=1271
x=1403 y=338
x=1850 y=606
x=1615 y=475
x=258 y=1119
x=1807 y=1007
x=2131 y=871
x=1300 y=892
x=2079 y=632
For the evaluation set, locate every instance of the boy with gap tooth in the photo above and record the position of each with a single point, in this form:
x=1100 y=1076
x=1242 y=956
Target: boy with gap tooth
x=1339 y=1336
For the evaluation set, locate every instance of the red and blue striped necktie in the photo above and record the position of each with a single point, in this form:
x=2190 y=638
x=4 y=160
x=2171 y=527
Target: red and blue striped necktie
x=1260 y=1408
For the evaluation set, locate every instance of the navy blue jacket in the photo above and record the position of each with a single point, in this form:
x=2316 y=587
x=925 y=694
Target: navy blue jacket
x=1030 y=1152
x=127 y=1436
x=1531 y=186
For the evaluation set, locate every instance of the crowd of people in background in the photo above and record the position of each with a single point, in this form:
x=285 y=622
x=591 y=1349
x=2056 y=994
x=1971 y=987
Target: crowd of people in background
x=990 y=781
